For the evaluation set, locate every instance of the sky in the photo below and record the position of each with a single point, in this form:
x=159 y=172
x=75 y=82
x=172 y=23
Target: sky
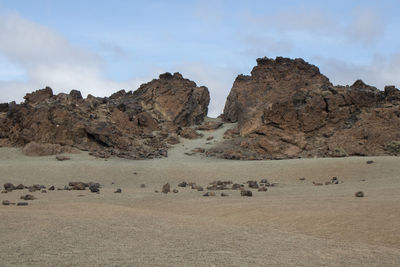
x=99 y=47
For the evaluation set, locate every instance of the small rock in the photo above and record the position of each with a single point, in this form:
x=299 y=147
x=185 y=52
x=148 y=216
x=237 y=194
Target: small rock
x=359 y=194
x=20 y=187
x=51 y=188
x=78 y=185
x=246 y=193
x=6 y=202
x=22 y=204
x=166 y=188
x=328 y=183
x=9 y=187
x=200 y=188
x=210 y=138
x=209 y=194
x=67 y=188
x=224 y=195
x=94 y=187
x=335 y=180
x=264 y=181
x=156 y=191
x=44 y=191
x=135 y=173
x=262 y=189
x=182 y=184
x=317 y=184
x=4 y=191
x=142 y=186
x=302 y=179
x=118 y=190
x=28 y=197
x=370 y=161
x=252 y=184
x=62 y=158
x=175 y=191
x=236 y=186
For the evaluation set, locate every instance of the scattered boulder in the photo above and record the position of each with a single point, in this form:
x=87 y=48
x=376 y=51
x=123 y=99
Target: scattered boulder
x=20 y=187
x=190 y=133
x=246 y=193
x=166 y=188
x=94 y=187
x=209 y=125
x=182 y=184
x=62 y=158
x=78 y=185
x=118 y=190
x=359 y=194
x=252 y=184
x=209 y=194
x=9 y=187
x=51 y=188
x=28 y=197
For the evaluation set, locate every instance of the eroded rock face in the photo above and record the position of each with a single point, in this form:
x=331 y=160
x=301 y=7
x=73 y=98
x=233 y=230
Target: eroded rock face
x=288 y=109
x=130 y=125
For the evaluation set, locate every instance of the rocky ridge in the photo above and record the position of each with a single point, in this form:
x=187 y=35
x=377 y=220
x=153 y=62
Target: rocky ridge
x=134 y=125
x=287 y=109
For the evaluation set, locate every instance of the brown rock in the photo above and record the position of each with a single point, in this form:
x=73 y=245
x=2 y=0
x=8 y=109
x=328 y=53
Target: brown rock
x=190 y=133
x=209 y=194
x=78 y=185
x=22 y=204
x=262 y=189
x=166 y=188
x=20 y=187
x=288 y=109
x=6 y=202
x=198 y=150
x=182 y=184
x=175 y=191
x=62 y=158
x=45 y=149
x=209 y=125
x=9 y=187
x=51 y=188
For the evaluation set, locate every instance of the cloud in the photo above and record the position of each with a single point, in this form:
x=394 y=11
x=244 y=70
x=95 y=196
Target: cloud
x=48 y=59
x=218 y=79
x=363 y=26
x=381 y=71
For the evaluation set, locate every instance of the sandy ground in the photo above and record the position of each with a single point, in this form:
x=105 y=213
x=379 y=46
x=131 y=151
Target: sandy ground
x=293 y=224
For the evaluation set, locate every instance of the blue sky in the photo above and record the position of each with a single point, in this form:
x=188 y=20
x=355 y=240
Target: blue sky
x=99 y=47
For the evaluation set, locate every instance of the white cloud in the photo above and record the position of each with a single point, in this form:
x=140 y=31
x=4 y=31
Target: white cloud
x=364 y=25
x=48 y=59
x=218 y=80
x=381 y=71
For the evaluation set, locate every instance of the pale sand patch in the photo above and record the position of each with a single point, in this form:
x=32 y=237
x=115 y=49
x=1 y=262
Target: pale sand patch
x=293 y=224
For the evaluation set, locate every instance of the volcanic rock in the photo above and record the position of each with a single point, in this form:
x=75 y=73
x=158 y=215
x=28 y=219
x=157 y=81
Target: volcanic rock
x=126 y=125
x=166 y=188
x=9 y=187
x=287 y=109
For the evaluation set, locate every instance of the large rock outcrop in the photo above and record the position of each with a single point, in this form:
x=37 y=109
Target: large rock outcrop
x=131 y=125
x=288 y=109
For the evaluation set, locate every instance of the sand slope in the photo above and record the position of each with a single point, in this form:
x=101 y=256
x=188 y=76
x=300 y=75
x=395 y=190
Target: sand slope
x=293 y=224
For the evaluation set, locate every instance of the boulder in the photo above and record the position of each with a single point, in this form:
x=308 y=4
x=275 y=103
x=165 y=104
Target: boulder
x=9 y=187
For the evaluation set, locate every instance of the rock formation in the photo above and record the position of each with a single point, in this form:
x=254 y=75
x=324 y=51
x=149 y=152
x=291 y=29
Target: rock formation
x=287 y=109
x=132 y=125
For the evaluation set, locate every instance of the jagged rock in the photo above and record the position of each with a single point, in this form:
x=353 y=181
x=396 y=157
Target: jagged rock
x=287 y=109
x=166 y=188
x=122 y=125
